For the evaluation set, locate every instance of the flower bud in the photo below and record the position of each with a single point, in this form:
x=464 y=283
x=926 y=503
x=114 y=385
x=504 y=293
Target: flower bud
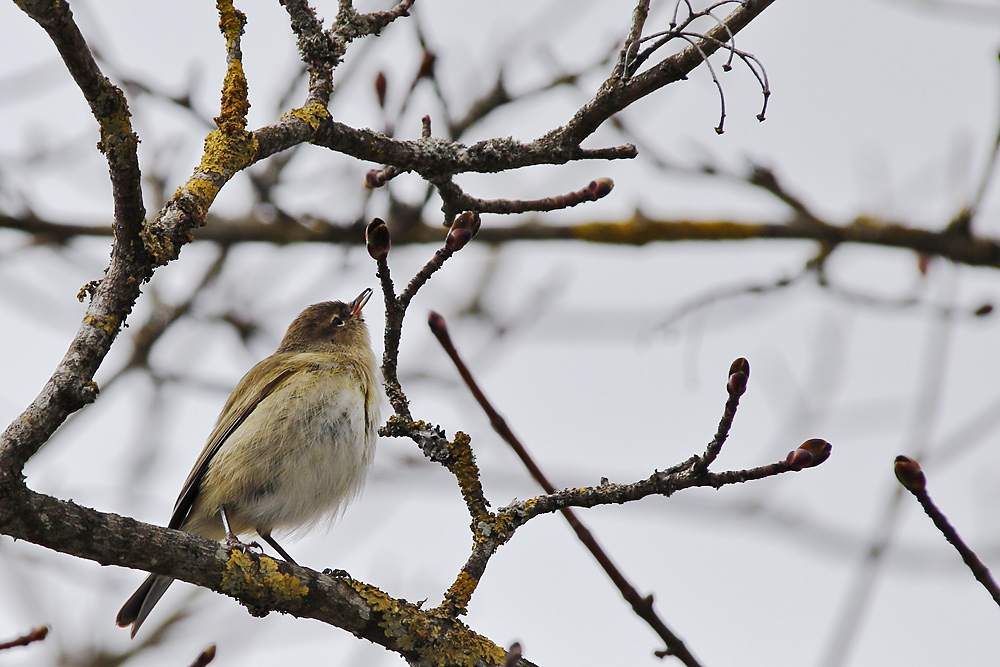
x=737 y=385
x=741 y=365
x=457 y=238
x=600 y=188
x=462 y=230
x=799 y=459
x=909 y=474
x=205 y=657
x=817 y=449
x=377 y=236
x=426 y=65
x=380 y=88
x=436 y=322
x=374 y=178
x=513 y=655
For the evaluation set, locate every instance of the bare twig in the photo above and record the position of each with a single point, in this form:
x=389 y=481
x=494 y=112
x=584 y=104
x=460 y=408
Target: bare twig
x=36 y=635
x=973 y=208
x=642 y=605
x=912 y=478
x=456 y=200
x=928 y=405
x=736 y=385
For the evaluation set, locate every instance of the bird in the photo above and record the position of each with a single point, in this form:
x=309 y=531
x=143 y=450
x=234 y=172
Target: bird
x=291 y=447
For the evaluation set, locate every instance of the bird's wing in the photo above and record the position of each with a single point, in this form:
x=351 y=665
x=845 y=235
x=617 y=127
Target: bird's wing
x=237 y=409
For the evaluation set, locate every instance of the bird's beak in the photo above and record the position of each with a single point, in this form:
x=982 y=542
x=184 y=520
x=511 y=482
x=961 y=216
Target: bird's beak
x=360 y=302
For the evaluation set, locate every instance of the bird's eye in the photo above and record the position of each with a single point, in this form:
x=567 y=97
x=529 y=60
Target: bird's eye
x=337 y=322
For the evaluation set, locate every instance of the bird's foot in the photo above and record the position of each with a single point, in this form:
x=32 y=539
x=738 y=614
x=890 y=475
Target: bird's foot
x=234 y=542
x=338 y=573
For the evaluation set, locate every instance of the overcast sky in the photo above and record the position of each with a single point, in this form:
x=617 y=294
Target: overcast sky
x=879 y=107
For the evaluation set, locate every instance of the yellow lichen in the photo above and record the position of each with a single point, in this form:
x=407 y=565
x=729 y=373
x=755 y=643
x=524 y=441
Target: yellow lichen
x=109 y=324
x=461 y=591
x=436 y=639
x=313 y=113
x=116 y=128
x=261 y=580
x=231 y=21
x=463 y=466
x=235 y=102
x=225 y=154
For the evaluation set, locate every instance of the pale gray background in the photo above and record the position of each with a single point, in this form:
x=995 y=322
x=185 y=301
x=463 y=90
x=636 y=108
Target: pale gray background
x=881 y=107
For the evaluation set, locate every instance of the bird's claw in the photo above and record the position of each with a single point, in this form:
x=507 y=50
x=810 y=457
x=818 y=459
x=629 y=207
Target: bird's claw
x=234 y=542
x=338 y=573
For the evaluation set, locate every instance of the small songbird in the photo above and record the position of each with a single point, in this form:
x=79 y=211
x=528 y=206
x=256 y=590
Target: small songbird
x=292 y=445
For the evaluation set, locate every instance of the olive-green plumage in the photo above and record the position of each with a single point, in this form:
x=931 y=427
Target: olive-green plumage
x=292 y=445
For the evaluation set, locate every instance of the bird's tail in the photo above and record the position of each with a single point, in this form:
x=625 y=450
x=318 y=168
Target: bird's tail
x=137 y=608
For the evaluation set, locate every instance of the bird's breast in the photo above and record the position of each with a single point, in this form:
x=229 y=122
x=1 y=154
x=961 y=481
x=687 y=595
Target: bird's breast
x=300 y=456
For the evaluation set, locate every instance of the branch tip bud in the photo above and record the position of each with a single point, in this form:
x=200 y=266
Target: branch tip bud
x=464 y=227
x=909 y=474
x=809 y=454
x=437 y=323
x=513 y=655
x=741 y=365
x=457 y=238
x=599 y=188
x=378 y=239
x=374 y=178
x=799 y=459
x=205 y=657
x=380 y=88
x=737 y=384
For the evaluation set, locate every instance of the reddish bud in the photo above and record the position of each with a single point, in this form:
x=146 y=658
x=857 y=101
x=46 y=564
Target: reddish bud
x=380 y=88
x=513 y=655
x=817 y=449
x=436 y=322
x=909 y=474
x=462 y=230
x=924 y=263
x=600 y=188
x=799 y=459
x=205 y=657
x=983 y=310
x=737 y=385
x=426 y=65
x=457 y=239
x=374 y=178
x=741 y=365
x=377 y=236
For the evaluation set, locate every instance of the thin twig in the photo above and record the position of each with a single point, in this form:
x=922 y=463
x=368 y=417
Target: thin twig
x=912 y=478
x=643 y=606
x=36 y=635
x=456 y=200
x=736 y=385
x=987 y=178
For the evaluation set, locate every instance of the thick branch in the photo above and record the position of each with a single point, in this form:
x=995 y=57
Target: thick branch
x=260 y=583
x=637 y=230
x=71 y=385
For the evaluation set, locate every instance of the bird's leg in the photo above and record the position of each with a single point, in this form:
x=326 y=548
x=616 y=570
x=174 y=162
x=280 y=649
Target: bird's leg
x=277 y=547
x=232 y=541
